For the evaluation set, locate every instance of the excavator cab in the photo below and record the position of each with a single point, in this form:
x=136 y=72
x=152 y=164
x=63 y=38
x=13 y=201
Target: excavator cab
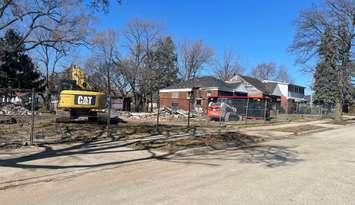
x=68 y=85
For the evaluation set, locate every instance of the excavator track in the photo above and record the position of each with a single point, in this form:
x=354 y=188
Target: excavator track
x=63 y=116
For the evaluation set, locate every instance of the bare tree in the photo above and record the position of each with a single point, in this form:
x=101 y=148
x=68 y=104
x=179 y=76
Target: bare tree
x=63 y=21
x=141 y=36
x=105 y=43
x=264 y=71
x=107 y=57
x=195 y=55
x=283 y=75
x=101 y=5
x=6 y=5
x=270 y=71
x=312 y=23
x=49 y=59
x=229 y=67
x=96 y=74
x=335 y=15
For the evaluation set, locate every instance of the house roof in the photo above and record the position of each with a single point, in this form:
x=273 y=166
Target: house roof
x=296 y=85
x=205 y=82
x=256 y=83
x=270 y=86
x=233 y=84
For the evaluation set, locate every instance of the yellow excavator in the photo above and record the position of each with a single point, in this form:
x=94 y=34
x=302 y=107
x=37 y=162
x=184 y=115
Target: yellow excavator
x=77 y=99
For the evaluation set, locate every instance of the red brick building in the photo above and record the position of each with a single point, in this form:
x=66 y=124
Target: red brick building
x=178 y=96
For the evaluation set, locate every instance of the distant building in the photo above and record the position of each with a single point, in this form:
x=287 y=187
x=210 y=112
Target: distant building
x=15 y=96
x=178 y=96
x=253 y=86
x=290 y=94
x=284 y=96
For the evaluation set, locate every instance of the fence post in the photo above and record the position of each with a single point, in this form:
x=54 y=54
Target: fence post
x=158 y=114
x=246 y=111
x=221 y=113
x=188 y=114
x=108 y=119
x=265 y=106
x=287 y=110
x=191 y=100
x=32 y=116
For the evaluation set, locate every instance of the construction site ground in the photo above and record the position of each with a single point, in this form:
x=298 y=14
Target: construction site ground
x=15 y=129
x=309 y=162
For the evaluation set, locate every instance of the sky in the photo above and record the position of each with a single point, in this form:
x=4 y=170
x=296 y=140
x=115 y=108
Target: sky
x=257 y=31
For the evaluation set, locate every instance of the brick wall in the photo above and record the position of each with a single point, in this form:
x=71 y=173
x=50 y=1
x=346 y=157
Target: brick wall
x=180 y=99
x=167 y=99
x=283 y=103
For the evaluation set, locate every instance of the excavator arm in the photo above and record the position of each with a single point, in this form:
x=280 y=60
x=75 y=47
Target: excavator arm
x=79 y=76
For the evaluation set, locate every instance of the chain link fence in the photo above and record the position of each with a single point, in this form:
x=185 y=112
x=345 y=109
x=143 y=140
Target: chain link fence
x=241 y=110
x=16 y=116
x=23 y=121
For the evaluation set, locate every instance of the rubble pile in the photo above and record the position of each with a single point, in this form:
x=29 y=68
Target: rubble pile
x=12 y=109
x=165 y=114
x=141 y=116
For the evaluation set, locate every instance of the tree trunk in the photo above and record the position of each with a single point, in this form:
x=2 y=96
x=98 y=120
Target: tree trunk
x=338 y=110
x=144 y=104
x=141 y=104
x=47 y=100
x=151 y=103
x=136 y=102
x=48 y=96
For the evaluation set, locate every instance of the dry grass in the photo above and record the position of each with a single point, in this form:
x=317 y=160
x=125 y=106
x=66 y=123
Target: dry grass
x=299 y=129
x=215 y=141
x=47 y=131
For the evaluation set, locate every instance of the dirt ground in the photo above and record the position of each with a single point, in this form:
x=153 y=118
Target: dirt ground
x=46 y=131
x=252 y=165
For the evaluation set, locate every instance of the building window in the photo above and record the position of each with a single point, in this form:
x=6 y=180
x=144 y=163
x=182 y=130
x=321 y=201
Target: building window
x=175 y=95
x=174 y=106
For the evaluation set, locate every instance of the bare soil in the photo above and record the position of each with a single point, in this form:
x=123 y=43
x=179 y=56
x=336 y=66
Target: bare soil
x=215 y=141
x=47 y=131
x=309 y=169
x=299 y=129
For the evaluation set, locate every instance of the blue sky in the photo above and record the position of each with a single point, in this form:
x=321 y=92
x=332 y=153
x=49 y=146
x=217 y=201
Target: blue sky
x=257 y=31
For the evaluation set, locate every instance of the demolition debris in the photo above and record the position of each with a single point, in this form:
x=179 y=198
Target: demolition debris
x=165 y=114
x=12 y=109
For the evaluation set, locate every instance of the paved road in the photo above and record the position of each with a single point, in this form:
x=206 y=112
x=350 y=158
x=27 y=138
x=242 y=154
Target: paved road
x=312 y=169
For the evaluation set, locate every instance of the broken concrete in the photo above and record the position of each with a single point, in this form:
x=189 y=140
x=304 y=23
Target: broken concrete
x=165 y=114
x=12 y=109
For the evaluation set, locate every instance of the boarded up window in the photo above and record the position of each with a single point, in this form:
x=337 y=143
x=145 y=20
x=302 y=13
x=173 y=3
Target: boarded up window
x=175 y=95
x=174 y=106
